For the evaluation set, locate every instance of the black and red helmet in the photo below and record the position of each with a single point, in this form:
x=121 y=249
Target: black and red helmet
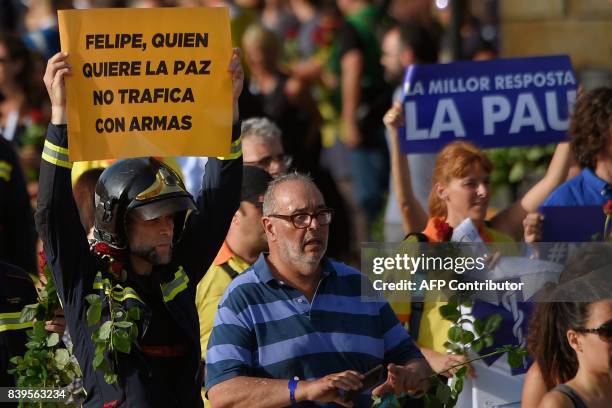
x=145 y=185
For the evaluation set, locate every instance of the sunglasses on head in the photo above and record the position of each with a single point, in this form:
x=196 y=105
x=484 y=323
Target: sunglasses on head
x=604 y=331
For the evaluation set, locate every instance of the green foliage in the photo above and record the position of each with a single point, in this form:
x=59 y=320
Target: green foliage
x=112 y=336
x=46 y=362
x=461 y=341
x=512 y=165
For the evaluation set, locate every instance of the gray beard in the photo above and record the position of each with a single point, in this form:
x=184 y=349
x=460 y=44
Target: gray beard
x=149 y=255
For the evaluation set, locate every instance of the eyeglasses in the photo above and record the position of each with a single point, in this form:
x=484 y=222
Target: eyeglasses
x=265 y=162
x=303 y=220
x=604 y=331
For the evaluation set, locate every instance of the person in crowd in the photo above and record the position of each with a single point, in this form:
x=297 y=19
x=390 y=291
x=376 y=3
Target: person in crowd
x=244 y=242
x=419 y=12
x=17 y=232
x=282 y=99
x=583 y=272
x=310 y=49
x=293 y=327
x=84 y=196
x=261 y=145
x=403 y=46
x=589 y=337
x=22 y=107
x=41 y=26
x=276 y=16
x=591 y=143
x=362 y=97
x=517 y=221
x=570 y=338
x=306 y=56
x=151 y=250
x=460 y=190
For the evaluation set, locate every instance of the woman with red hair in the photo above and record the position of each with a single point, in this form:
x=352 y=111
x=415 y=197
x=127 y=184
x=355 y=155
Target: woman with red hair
x=460 y=190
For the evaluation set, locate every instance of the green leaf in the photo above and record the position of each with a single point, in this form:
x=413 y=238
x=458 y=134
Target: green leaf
x=134 y=333
x=450 y=312
x=134 y=313
x=535 y=153
x=515 y=359
x=53 y=339
x=110 y=378
x=93 y=299
x=488 y=340
x=477 y=345
x=124 y=324
x=478 y=327
x=105 y=330
x=462 y=371
x=455 y=333
x=517 y=173
x=467 y=303
x=98 y=359
x=459 y=383
x=467 y=337
x=62 y=357
x=122 y=342
x=28 y=313
x=33 y=344
x=443 y=393
x=492 y=323
x=94 y=312
x=40 y=334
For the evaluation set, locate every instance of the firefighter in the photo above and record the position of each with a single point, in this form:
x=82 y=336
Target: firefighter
x=16 y=291
x=152 y=244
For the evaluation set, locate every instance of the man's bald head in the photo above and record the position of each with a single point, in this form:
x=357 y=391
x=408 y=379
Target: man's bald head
x=270 y=199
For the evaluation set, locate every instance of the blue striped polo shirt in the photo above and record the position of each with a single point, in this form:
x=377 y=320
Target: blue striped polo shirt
x=265 y=328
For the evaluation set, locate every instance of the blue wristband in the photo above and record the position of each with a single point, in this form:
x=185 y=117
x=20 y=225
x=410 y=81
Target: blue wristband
x=292 y=386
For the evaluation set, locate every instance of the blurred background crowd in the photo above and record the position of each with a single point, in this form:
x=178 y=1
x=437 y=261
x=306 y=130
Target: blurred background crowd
x=324 y=72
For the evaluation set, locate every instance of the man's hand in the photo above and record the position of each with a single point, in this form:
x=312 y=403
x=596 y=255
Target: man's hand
x=326 y=389
x=58 y=324
x=235 y=69
x=532 y=227
x=408 y=378
x=443 y=362
x=57 y=69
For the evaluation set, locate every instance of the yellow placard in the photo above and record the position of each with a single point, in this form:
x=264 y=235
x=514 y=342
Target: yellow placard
x=148 y=82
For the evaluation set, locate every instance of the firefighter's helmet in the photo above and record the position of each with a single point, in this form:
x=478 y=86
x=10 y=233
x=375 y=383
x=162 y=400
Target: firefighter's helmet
x=145 y=185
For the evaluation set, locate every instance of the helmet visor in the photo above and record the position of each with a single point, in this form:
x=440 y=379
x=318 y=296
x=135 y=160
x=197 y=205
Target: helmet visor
x=160 y=208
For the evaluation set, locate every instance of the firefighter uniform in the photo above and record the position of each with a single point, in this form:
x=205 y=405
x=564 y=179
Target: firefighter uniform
x=16 y=291
x=163 y=369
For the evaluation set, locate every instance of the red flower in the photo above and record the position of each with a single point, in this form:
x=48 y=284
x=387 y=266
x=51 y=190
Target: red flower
x=291 y=33
x=42 y=261
x=607 y=208
x=102 y=248
x=36 y=116
x=443 y=230
x=116 y=266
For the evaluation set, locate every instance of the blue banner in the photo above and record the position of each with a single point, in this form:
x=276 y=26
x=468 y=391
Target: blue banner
x=503 y=102
x=573 y=223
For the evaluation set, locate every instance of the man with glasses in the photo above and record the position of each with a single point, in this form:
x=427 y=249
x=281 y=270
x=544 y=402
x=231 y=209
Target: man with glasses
x=262 y=147
x=294 y=328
